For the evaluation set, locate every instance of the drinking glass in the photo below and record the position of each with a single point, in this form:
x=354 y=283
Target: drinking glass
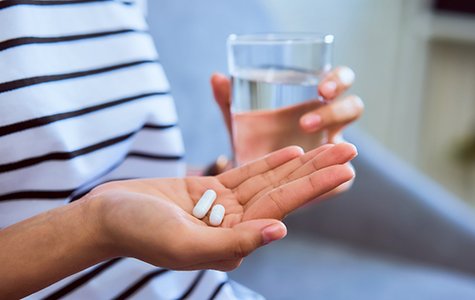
x=274 y=82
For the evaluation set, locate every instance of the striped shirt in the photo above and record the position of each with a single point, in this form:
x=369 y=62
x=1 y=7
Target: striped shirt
x=84 y=100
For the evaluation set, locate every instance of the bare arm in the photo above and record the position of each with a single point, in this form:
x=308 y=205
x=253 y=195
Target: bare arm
x=151 y=220
x=48 y=247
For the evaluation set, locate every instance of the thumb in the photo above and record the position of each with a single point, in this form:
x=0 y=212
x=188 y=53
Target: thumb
x=242 y=239
x=221 y=86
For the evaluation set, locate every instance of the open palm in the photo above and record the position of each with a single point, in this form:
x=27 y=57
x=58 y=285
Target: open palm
x=255 y=197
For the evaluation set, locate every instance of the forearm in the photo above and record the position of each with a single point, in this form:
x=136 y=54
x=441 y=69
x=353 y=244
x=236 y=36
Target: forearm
x=48 y=247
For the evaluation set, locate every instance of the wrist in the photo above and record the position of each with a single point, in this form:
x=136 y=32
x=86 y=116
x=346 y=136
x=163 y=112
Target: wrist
x=93 y=208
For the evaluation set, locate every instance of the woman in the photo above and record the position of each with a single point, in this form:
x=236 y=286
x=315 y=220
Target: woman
x=84 y=101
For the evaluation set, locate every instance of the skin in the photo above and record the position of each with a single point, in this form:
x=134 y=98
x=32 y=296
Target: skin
x=340 y=111
x=151 y=220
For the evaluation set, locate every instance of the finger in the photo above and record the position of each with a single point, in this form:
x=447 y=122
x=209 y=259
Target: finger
x=336 y=82
x=251 y=188
x=337 y=113
x=337 y=155
x=280 y=201
x=314 y=152
x=221 y=87
x=339 y=189
x=217 y=243
x=235 y=177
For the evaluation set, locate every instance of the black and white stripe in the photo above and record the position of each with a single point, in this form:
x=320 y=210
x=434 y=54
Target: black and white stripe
x=45 y=120
x=142 y=282
x=44 y=94
x=192 y=285
x=217 y=290
x=31 y=40
x=68 y=14
x=31 y=81
x=35 y=56
x=133 y=160
x=83 y=101
x=82 y=280
x=10 y=3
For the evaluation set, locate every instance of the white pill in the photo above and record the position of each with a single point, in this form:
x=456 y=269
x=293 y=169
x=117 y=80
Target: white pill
x=204 y=204
x=217 y=215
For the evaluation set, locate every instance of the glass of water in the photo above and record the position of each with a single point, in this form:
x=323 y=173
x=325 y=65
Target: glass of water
x=274 y=82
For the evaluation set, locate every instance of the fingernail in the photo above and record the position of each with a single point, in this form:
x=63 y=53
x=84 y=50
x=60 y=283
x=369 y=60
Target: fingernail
x=311 y=121
x=328 y=89
x=273 y=233
x=346 y=76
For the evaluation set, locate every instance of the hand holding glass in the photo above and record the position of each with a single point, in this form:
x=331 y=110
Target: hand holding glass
x=274 y=82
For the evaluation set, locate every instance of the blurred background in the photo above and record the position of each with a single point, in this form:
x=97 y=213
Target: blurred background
x=414 y=60
x=410 y=208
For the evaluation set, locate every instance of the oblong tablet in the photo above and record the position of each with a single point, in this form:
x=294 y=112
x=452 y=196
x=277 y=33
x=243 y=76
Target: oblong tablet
x=217 y=215
x=204 y=204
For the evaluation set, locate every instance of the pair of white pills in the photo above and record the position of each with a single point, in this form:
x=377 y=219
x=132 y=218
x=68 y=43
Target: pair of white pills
x=204 y=204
